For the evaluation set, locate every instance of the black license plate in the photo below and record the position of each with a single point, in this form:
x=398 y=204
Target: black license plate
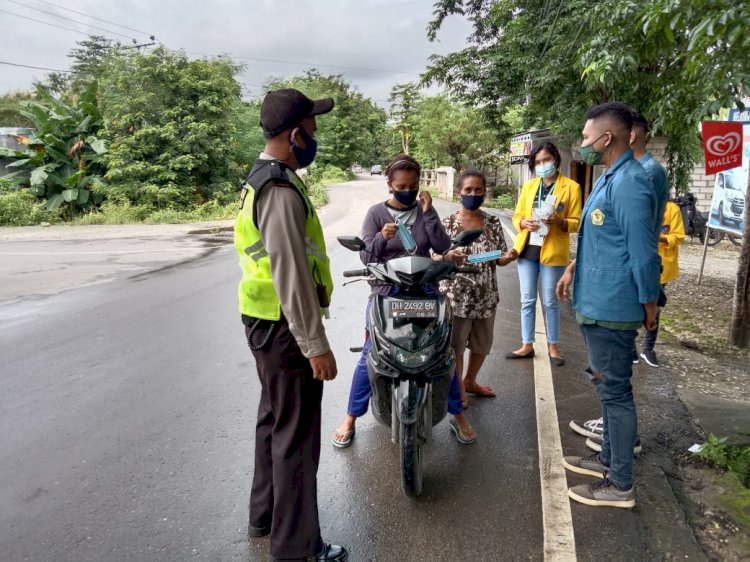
x=414 y=309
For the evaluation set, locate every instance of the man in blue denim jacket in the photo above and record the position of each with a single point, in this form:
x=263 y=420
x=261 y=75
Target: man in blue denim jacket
x=616 y=289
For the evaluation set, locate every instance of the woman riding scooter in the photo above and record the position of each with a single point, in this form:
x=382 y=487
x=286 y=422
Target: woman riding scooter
x=379 y=232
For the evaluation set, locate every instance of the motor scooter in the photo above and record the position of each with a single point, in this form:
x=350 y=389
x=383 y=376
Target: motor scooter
x=411 y=363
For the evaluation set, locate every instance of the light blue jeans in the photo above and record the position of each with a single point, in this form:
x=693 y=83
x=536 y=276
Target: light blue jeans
x=529 y=272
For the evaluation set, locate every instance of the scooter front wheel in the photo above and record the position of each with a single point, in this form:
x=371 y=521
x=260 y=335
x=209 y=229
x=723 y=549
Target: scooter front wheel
x=411 y=458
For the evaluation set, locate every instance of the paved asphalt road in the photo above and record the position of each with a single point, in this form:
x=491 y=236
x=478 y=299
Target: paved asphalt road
x=127 y=415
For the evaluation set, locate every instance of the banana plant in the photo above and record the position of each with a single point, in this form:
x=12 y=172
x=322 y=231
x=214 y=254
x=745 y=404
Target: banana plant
x=62 y=160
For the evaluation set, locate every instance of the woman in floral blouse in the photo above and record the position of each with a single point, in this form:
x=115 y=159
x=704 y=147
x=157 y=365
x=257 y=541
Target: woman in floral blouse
x=474 y=301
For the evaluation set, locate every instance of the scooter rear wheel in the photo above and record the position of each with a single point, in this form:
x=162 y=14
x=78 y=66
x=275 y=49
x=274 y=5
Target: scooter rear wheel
x=715 y=237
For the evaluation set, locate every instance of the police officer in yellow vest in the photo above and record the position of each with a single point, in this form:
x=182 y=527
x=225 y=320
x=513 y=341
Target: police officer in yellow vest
x=285 y=290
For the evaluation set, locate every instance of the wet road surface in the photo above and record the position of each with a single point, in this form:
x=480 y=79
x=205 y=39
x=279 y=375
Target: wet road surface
x=127 y=430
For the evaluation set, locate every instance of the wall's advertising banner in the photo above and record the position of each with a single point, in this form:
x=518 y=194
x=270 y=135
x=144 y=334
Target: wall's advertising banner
x=722 y=145
x=742 y=116
x=729 y=198
x=520 y=148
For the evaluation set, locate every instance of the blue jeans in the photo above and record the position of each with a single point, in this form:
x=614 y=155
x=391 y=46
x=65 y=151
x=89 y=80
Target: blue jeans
x=359 y=395
x=649 y=338
x=611 y=353
x=528 y=276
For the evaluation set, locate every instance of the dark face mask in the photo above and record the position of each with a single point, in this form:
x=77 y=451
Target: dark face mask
x=472 y=202
x=306 y=155
x=406 y=198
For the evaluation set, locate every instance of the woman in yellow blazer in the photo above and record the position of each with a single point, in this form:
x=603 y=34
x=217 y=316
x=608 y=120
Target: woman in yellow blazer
x=671 y=236
x=540 y=254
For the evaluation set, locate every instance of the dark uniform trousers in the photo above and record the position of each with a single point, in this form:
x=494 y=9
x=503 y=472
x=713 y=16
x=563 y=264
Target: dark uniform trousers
x=284 y=493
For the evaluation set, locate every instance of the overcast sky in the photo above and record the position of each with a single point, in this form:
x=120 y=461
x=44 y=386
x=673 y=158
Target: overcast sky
x=367 y=41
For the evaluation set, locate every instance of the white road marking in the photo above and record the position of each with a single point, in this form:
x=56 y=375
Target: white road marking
x=98 y=252
x=559 y=540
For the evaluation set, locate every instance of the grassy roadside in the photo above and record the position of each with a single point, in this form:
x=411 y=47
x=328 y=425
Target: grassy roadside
x=694 y=331
x=21 y=208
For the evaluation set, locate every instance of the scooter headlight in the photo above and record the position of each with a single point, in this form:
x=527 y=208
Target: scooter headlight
x=412 y=359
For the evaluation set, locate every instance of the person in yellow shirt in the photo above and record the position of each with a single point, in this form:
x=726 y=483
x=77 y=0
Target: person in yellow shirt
x=548 y=211
x=671 y=236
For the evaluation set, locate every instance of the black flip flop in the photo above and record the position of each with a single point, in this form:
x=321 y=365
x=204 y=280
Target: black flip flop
x=514 y=355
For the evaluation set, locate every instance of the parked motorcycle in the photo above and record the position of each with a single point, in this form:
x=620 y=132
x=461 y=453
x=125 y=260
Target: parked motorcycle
x=411 y=363
x=696 y=221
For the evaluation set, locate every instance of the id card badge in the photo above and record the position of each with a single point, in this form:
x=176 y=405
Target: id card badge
x=536 y=238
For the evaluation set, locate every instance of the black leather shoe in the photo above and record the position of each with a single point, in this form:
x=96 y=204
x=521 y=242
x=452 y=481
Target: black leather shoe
x=255 y=532
x=333 y=553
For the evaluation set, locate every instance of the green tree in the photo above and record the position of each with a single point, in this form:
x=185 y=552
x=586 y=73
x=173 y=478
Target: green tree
x=403 y=100
x=169 y=121
x=447 y=132
x=521 y=53
x=89 y=59
x=352 y=132
x=247 y=137
x=63 y=160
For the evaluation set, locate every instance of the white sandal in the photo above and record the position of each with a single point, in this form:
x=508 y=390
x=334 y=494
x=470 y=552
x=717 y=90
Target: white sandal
x=346 y=441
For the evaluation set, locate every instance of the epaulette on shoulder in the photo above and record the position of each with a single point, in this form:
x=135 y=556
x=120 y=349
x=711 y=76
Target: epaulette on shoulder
x=264 y=171
x=267 y=172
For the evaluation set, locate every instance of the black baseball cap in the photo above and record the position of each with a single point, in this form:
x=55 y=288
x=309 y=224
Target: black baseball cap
x=284 y=109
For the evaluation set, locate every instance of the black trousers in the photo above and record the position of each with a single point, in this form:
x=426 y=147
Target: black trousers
x=284 y=492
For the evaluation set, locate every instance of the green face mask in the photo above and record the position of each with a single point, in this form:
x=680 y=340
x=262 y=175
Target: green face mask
x=589 y=155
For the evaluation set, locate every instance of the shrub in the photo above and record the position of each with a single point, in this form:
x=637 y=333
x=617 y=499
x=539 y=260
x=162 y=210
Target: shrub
x=327 y=173
x=115 y=213
x=503 y=201
x=318 y=194
x=21 y=208
x=732 y=458
x=125 y=213
x=7 y=186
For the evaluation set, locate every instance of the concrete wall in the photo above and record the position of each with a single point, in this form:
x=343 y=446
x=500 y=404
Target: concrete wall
x=442 y=179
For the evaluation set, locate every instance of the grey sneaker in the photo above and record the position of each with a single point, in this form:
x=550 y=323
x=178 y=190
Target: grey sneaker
x=590 y=466
x=649 y=357
x=590 y=428
x=595 y=444
x=603 y=494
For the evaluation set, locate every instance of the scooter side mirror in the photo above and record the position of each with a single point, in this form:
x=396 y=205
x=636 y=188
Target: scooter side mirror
x=467 y=237
x=353 y=243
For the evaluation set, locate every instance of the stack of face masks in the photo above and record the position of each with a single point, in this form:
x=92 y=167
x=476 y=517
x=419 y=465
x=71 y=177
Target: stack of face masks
x=406 y=238
x=484 y=257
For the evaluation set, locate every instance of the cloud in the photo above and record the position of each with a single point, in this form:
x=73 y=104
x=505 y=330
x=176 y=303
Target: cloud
x=365 y=40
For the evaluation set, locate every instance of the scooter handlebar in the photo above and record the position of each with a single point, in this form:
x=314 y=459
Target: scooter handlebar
x=355 y=273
